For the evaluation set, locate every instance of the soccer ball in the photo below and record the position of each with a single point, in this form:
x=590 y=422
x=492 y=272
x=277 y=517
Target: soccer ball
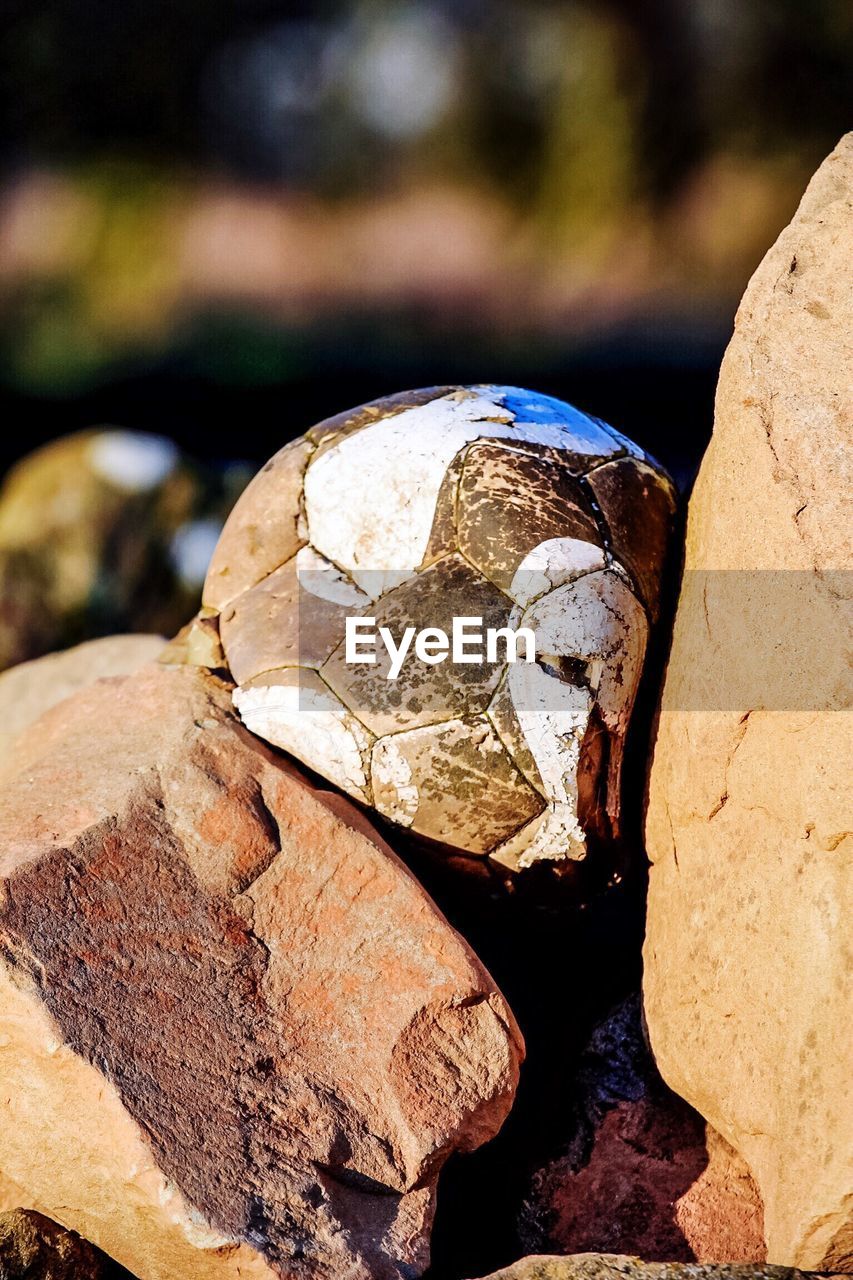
x=483 y=503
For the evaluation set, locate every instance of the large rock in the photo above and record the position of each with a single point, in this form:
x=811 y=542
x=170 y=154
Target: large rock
x=34 y=1248
x=31 y=688
x=610 y=1266
x=641 y=1172
x=747 y=962
x=11 y=1195
x=236 y=1036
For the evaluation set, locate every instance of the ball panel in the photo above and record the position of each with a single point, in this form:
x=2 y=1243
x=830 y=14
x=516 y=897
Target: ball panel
x=423 y=693
x=552 y=448
x=638 y=504
x=552 y=713
x=331 y=430
x=599 y=781
x=551 y=564
x=554 y=836
x=442 y=539
x=371 y=498
x=502 y=713
x=587 y=439
x=294 y=617
x=261 y=533
x=294 y=710
x=509 y=852
x=454 y=782
x=509 y=502
x=593 y=632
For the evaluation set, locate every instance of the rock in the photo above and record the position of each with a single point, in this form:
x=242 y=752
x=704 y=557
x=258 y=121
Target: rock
x=34 y=1248
x=485 y=503
x=642 y=1173
x=197 y=645
x=12 y=1196
x=236 y=1036
x=747 y=963
x=28 y=690
x=104 y=531
x=611 y=1266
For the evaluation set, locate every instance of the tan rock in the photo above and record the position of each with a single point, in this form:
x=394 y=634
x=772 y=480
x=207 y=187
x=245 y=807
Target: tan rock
x=721 y=1214
x=12 y=1196
x=236 y=1037
x=34 y=1248
x=604 y=1266
x=641 y=1172
x=31 y=688
x=747 y=979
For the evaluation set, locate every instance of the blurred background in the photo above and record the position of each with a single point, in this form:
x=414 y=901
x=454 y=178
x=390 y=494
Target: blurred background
x=222 y=222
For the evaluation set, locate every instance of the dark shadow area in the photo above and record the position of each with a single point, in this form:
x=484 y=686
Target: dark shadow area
x=561 y=971
x=657 y=388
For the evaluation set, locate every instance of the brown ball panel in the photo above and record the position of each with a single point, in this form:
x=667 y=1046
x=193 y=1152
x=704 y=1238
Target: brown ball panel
x=422 y=694
x=262 y=531
x=509 y=502
x=638 y=503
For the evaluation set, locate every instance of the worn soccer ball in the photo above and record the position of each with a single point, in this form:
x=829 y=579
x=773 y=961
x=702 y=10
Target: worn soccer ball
x=415 y=511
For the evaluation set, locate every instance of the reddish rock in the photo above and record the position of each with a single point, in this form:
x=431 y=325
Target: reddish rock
x=603 y=1266
x=236 y=1036
x=31 y=688
x=642 y=1173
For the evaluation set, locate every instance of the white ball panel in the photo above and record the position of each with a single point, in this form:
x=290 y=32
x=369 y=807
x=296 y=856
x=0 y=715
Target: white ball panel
x=311 y=725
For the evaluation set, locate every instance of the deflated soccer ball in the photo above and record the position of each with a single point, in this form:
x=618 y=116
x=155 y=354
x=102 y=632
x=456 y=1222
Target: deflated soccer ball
x=441 y=603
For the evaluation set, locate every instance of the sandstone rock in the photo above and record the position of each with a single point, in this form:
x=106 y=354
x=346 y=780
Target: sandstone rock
x=482 y=503
x=104 y=531
x=34 y=1248
x=747 y=977
x=642 y=1173
x=31 y=688
x=236 y=1036
x=12 y=1196
x=603 y=1266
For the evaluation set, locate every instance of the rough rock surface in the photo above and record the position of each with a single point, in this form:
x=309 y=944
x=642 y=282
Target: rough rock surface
x=12 y=1196
x=31 y=688
x=34 y=1248
x=604 y=1266
x=747 y=962
x=236 y=1036
x=641 y=1173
